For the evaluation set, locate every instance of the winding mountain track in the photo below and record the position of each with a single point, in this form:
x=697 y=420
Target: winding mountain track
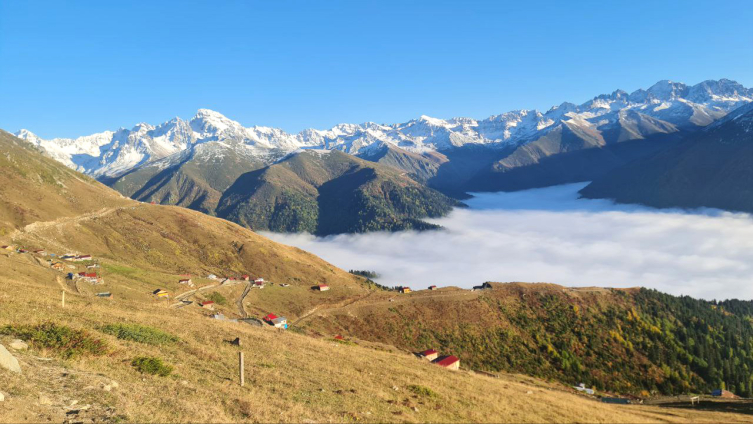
x=183 y=296
x=36 y=228
x=241 y=308
x=392 y=300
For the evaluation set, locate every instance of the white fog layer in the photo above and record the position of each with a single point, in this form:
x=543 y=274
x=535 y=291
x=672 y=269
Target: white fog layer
x=549 y=235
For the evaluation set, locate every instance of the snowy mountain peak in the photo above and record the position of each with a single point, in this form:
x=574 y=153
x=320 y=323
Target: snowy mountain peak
x=27 y=135
x=666 y=104
x=668 y=90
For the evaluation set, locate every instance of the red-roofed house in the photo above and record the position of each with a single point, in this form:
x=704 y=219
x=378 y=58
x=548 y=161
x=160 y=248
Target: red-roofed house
x=245 y=277
x=450 y=362
x=323 y=287
x=432 y=287
x=207 y=304
x=430 y=354
x=339 y=337
x=270 y=317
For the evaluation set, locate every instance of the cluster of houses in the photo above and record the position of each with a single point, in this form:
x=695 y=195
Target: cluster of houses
x=449 y=361
x=89 y=277
x=40 y=252
x=404 y=289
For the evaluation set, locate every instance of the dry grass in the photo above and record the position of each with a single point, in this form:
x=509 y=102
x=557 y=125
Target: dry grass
x=289 y=378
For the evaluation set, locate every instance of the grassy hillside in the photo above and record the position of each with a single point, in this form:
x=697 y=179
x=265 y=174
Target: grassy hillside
x=629 y=341
x=34 y=187
x=329 y=193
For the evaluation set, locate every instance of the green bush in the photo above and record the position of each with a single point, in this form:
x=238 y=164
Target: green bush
x=139 y=333
x=151 y=365
x=422 y=391
x=217 y=298
x=65 y=341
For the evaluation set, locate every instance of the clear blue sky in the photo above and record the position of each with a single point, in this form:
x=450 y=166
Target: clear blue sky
x=74 y=68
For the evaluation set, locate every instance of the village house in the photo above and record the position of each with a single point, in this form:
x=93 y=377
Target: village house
x=208 y=304
x=186 y=281
x=107 y=295
x=430 y=354
x=160 y=293
x=259 y=283
x=58 y=266
x=432 y=287
x=6 y=247
x=582 y=388
x=245 y=277
x=211 y=277
x=277 y=322
x=450 y=362
x=482 y=287
x=724 y=394
x=323 y=287
x=269 y=318
x=339 y=337
x=40 y=252
x=280 y=322
x=92 y=266
x=68 y=257
x=81 y=258
x=90 y=277
x=404 y=290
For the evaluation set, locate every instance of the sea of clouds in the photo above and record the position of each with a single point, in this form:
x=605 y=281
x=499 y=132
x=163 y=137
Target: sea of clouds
x=550 y=235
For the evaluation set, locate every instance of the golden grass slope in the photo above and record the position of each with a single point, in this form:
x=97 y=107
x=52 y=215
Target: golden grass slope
x=289 y=377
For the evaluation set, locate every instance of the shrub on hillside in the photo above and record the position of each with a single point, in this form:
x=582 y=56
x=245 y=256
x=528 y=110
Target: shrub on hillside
x=151 y=365
x=139 y=333
x=65 y=341
x=217 y=298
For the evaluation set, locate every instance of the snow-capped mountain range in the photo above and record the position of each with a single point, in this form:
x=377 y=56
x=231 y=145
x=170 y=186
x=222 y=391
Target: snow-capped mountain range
x=113 y=153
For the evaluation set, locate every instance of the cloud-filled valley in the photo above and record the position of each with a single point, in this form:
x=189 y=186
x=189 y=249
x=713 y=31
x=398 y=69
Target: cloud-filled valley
x=549 y=235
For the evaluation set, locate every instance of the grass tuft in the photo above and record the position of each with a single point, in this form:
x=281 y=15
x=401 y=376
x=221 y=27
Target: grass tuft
x=65 y=341
x=422 y=391
x=139 y=333
x=151 y=365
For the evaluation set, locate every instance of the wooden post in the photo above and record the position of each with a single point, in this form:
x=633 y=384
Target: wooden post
x=63 y=299
x=240 y=368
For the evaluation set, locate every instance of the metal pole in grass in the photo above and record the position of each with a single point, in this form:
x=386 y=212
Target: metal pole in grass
x=63 y=299
x=240 y=368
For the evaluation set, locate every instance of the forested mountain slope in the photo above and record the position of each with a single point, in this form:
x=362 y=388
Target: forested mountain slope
x=329 y=192
x=711 y=168
x=635 y=341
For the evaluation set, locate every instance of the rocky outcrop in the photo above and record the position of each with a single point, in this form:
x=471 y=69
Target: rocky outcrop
x=8 y=361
